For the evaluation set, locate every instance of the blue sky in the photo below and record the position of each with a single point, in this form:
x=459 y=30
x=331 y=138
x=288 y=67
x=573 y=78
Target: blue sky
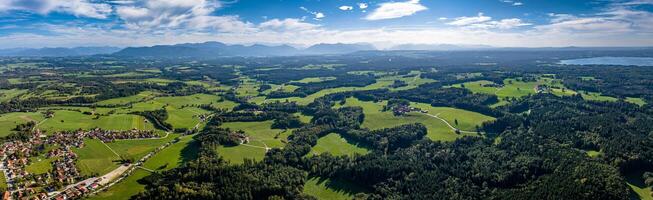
x=384 y=23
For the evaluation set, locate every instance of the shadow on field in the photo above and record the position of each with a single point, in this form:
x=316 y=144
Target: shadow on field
x=341 y=186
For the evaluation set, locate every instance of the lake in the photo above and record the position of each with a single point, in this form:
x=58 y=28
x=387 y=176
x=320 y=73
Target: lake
x=626 y=61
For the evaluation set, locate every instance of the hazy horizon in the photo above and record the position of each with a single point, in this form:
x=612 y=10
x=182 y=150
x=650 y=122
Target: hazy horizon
x=383 y=23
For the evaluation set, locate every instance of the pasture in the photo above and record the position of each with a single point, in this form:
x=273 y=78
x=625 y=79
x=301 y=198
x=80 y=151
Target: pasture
x=260 y=133
x=166 y=159
x=375 y=118
x=95 y=158
x=237 y=154
x=336 y=145
x=174 y=155
x=130 y=99
x=9 y=121
x=261 y=137
x=136 y=149
x=6 y=95
x=73 y=120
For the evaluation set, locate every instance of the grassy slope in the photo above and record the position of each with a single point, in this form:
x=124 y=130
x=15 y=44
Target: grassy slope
x=6 y=95
x=95 y=158
x=336 y=145
x=260 y=131
x=437 y=130
x=129 y=99
x=638 y=101
x=9 y=121
x=260 y=135
x=331 y=189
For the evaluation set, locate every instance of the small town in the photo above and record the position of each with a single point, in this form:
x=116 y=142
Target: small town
x=23 y=185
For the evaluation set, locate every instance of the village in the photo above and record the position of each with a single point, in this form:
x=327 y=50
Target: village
x=24 y=185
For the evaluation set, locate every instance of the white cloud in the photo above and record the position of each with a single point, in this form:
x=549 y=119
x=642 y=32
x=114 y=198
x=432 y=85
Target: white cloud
x=621 y=18
x=288 y=24
x=396 y=10
x=157 y=15
x=512 y=2
x=345 y=8
x=464 y=21
x=316 y=15
x=485 y=22
x=362 y=6
x=79 y=8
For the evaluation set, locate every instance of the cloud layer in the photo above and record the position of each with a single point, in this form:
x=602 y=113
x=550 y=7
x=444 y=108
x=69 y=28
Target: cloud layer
x=150 y=22
x=395 y=10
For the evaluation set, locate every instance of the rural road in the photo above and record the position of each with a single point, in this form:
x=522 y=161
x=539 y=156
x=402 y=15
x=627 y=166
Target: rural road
x=449 y=125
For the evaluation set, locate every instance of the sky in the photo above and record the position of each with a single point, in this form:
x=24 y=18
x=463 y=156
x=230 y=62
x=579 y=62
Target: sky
x=383 y=23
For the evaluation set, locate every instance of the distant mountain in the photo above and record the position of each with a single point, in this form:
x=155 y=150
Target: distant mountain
x=217 y=49
x=206 y=50
x=338 y=48
x=439 y=47
x=58 y=52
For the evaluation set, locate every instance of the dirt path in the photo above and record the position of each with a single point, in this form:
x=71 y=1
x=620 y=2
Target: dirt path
x=114 y=152
x=449 y=125
x=114 y=174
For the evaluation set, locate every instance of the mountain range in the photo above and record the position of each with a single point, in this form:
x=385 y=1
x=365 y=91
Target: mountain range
x=58 y=51
x=217 y=49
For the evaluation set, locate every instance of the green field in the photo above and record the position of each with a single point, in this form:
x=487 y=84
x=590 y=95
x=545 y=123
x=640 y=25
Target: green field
x=129 y=99
x=136 y=149
x=73 y=120
x=237 y=154
x=593 y=154
x=595 y=96
x=336 y=145
x=40 y=165
x=314 y=79
x=304 y=118
x=322 y=188
x=185 y=118
x=375 y=118
x=95 y=158
x=636 y=183
x=9 y=121
x=6 y=95
x=166 y=159
x=3 y=182
x=310 y=98
x=260 y=132
x=124 y=189
x=174 y=155
x=261 y=136
x=638 y=101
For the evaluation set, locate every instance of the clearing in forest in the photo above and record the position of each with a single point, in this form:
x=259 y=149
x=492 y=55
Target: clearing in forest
x=376 y=118
x=323 y=188
x=336 y=145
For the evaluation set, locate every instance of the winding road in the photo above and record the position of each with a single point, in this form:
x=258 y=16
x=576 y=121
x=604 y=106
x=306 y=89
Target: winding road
x=449 y=125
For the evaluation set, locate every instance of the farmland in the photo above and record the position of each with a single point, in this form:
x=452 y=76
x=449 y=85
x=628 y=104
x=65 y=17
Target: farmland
x=375 y=118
